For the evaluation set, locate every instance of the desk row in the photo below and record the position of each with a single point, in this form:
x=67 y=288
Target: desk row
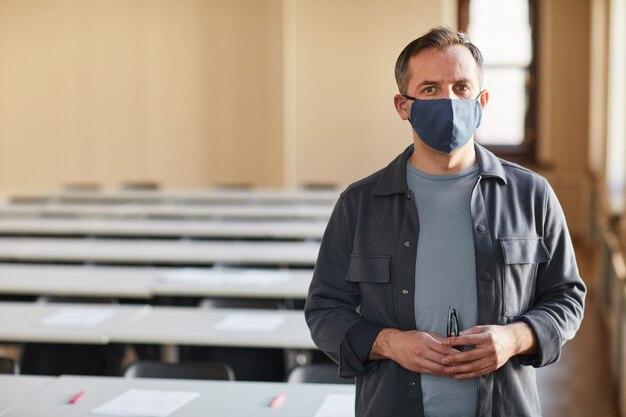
x=149 y=228
x=172 y=252
x=170 y=211
x=148 y=282
x=26 y=396
x=198 y=196
x=132 y=324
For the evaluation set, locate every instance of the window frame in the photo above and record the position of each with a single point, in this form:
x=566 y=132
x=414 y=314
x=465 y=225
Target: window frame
x=525 y=153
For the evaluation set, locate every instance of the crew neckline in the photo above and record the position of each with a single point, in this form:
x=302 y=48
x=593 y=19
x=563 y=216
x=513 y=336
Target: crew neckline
x=469 y=171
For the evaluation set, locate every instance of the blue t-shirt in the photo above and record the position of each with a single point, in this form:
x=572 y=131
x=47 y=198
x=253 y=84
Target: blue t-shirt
x=445 y=275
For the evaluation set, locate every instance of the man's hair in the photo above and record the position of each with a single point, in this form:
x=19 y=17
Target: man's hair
x=437 y=38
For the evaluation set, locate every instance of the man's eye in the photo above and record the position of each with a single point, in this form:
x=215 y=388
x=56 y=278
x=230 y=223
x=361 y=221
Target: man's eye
x=429 y=90
x=463 y=87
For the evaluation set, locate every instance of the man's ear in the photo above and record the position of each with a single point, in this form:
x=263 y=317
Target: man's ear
x=403 y=106
x=484 y=98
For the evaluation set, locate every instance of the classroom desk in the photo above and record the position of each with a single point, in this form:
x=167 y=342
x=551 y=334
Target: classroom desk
x=169 y=211
x=216 y=398
x=201 y=327
x=14 y=389
x=301 y=229
x=233 y=282
x=148 y=282
x=209 y=196
x=76 y=280
x=178 y=252
x=22 y=322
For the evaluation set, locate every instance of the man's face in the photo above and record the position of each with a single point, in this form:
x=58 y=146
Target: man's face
x=443 y=73
x=450 y=73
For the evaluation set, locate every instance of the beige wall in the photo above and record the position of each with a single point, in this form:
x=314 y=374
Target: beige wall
x=564 y=69
x=186 y=92
x=598 y=88
x=191 y=92
x=346 y=123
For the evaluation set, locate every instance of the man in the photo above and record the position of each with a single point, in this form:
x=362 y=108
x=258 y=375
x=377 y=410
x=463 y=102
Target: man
x=446 y=231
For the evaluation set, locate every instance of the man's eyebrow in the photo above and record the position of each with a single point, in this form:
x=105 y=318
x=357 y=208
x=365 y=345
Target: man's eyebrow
x=431 y=82
x=428 y=82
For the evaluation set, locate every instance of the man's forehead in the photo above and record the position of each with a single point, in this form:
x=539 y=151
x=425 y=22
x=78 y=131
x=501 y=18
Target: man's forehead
x=439 y=64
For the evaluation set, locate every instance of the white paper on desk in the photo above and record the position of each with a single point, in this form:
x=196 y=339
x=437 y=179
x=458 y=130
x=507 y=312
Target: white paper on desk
x=337 y=405
x=246 y=322
x=255 y=277
x=145 y=403
x=77 y=317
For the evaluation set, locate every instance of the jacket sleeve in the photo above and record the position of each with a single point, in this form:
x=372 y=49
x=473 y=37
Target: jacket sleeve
x=560 y=291
x=331 y=308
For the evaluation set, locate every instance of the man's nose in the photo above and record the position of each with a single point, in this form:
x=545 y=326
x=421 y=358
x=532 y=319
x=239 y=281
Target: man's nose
x=449 y=93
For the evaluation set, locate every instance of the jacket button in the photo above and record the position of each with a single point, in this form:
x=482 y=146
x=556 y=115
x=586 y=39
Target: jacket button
x=405 y=291
x=486 y=275
x=481 y=228
x=412 y=384
x=407 y=243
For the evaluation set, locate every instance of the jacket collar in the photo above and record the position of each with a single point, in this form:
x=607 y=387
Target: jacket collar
x=393 y=178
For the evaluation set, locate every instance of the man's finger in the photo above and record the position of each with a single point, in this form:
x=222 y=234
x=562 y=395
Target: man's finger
x=462 y=357
x=483 y=371
x=473 y=330
x=437 y=336
x=470 y=367
x=445 y=348
x=469 y=339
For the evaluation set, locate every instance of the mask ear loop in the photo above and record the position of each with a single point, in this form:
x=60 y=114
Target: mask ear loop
x=409 y=98
x=478 y=99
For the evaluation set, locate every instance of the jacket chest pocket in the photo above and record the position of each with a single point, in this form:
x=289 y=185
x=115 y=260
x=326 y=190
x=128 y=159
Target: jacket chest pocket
x=522 y=256
x=372 y=273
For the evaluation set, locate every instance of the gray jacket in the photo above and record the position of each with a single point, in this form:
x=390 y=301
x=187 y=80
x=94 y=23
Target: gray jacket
x=364 y=281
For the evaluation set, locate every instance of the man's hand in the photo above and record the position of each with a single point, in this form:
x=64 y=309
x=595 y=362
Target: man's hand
x=494 y=345
x=413 y=350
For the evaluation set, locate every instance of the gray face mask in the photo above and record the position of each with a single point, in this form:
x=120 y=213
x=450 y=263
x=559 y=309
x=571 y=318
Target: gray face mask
x=445 y=124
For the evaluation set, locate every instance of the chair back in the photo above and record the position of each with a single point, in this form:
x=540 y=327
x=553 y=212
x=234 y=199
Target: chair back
x=317 y=373
x=181 y=370
x=243 y=303
x=8 y=366
x=146 y=185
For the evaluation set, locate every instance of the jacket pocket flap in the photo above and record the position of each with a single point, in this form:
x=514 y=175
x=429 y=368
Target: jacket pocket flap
x=369 y=268
x=524 y=250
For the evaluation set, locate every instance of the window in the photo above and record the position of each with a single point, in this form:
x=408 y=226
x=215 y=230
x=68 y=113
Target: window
x=505 y=34
x=616 y=114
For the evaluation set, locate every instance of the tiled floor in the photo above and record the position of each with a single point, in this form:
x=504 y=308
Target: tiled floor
x=579 y=384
